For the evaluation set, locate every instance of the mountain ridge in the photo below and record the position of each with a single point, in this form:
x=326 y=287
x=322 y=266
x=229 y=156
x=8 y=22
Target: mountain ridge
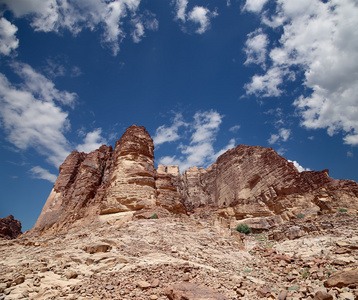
x=245 y=182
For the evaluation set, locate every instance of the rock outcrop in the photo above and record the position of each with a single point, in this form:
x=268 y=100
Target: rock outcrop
x=247 y=182
x=10 y=228
x=131 y=183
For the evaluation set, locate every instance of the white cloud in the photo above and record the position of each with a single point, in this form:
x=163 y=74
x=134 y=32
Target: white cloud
x=180 y=6
x=267 y=85
x=142 y=22
x=273 y=139
x=199 y=151
x=42 y=87
x=165 y=134
x=8 y=40
x=299 y=167
x=234 y=128
x=138 y=32
x=254 y=5
x=52 y=15
x=199 y=15
x=202 y=16
x=41 y=173
x=283 y=135
x=256 y=48
x=319 y=40
x=31 y=116
x=92 y=141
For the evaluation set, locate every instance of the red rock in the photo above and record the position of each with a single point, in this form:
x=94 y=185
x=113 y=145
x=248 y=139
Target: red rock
x=343 y=279
x=167 y=185
x=9 y=227
x=247 y=182
x=321 y=295
x=191 y=291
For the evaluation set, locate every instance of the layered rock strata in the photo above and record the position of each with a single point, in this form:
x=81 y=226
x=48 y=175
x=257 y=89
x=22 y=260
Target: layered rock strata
x=244 y=183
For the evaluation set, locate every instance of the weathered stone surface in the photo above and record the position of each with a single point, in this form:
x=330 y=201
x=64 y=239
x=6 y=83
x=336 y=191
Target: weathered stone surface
x=97 y=248
x=73 y=195
x=342 y=279
x=322 y=295
x=248 y=183
x=167 y=186
x=132 y=181
x=9 y=227
x=191 y=291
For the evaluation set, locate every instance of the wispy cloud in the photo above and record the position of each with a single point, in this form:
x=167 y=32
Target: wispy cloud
x=319 y=40
x=234 y=128
x=41 y=173
x=198 y=15
x=282 y=136
x=199 y=150
x=74 y=16
x=170 y=133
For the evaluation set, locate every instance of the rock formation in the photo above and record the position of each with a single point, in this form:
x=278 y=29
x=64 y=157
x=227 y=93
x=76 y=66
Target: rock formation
x=246 y=182
x=9 y=227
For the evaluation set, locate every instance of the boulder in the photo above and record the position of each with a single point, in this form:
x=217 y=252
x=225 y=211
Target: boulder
x=345 y=278
x=10 y=228
x=191 y=291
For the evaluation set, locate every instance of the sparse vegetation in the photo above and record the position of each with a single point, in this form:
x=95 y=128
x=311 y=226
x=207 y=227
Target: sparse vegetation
x=243 y=228
x=305 y=275
x=300 y=216
x=342 y=210
x=154 y=216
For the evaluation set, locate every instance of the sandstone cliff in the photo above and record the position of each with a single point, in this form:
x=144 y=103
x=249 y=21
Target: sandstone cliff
x=244 y=183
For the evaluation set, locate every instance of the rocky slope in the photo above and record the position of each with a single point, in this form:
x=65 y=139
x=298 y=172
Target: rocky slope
x=246 y=182
x=184 y=257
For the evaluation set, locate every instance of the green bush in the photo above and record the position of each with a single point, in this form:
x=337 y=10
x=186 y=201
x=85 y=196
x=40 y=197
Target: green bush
x=243 y=228
x=300 y=216
x=155 y=216
x=342 y=210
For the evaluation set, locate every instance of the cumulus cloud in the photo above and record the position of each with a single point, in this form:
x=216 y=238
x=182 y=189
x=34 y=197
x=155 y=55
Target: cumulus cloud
x=198 y=15
x=52 y=15
x=165 y=134
x=256 y=48
x=8 y=40
x=299 y=167
x=32 y=117
x=283 y=135
x=92 y=141
x=319 y=41
x=199 y=151
x=254 y=5
x=41 y=173
x=202 y=16
x=180 y=8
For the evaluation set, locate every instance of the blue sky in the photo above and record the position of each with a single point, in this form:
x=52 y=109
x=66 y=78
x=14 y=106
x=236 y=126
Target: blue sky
x=201 y=76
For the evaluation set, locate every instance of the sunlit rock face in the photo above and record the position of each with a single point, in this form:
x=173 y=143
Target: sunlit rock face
x=245 y=182
x=132 y=181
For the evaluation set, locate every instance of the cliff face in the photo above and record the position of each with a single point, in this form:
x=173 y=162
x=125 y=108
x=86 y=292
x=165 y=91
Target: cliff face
x=247 y=181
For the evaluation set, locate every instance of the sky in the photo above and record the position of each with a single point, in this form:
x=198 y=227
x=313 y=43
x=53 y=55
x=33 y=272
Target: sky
x=201 y=76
